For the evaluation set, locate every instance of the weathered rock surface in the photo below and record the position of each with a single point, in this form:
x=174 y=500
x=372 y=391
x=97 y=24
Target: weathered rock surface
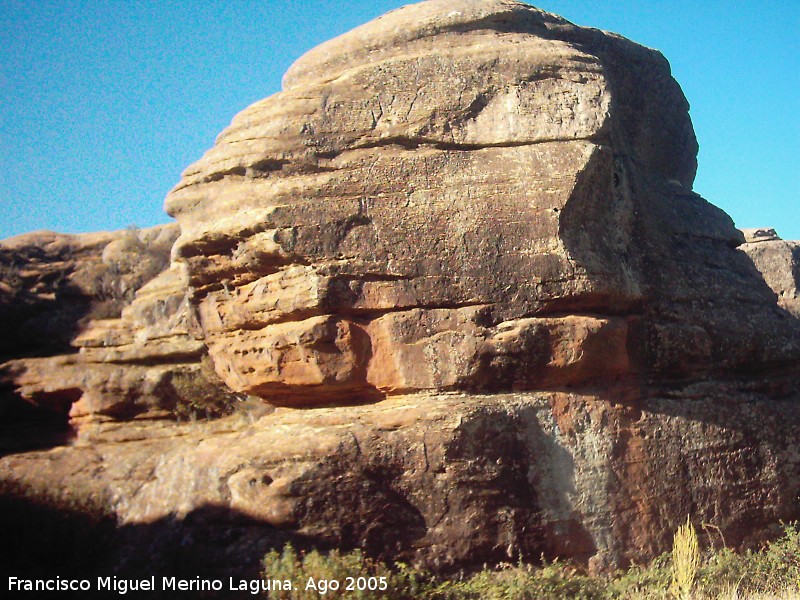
x=760 y=234
x=53 y=284
x=779 y=262
x=113 y=322
x=443 y=197
x=447 y=480
x=476 y=220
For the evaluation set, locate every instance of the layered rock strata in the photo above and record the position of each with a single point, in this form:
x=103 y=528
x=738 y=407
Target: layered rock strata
x=109 y=327
x=441 y=481
x=54 y=284
x=476 y=220
x=476 y=195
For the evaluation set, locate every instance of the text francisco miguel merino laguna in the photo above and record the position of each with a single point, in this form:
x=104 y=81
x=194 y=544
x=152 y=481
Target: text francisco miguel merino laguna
x=123 y=586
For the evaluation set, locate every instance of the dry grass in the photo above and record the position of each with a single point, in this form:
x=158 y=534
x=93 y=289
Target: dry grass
x=685 y=561
x=770 y=574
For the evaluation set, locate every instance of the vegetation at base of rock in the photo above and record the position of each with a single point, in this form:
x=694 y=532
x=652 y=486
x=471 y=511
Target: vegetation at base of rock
x=685 y=561
x=772 y=572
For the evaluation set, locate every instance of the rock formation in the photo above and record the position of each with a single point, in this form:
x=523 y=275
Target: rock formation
x=99 y=326
x=486 y=197
x=779 y=263
x=53 y=284
x=463 y=240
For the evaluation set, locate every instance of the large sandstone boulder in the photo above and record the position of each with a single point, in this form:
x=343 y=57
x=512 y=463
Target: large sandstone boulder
x=441 y=481
x=468 y=195
x=474 y=220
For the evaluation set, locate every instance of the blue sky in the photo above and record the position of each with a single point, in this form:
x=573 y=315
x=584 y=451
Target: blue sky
x=104 y=103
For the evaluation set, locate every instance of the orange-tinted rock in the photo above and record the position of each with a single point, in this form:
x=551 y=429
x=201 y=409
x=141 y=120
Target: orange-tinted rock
x=474 y=219
x=146 y=359
x=441 y=481
x=442 y=173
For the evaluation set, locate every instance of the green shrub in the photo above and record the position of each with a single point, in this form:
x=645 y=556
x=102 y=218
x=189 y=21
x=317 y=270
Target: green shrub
x=115 y=281
x=198 y=393
x=651 y=581
x=773 y=573
x=554 y=581
x=399 y=583
x=772 y=570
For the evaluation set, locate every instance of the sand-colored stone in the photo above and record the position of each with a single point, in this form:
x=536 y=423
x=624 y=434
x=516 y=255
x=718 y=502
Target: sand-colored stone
x=146 y=360
x=475 y=220
x=446 y=170
x=778 y=262
x=439 y=481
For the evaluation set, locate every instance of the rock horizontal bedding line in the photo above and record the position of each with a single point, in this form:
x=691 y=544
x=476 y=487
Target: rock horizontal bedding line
x=449 y=297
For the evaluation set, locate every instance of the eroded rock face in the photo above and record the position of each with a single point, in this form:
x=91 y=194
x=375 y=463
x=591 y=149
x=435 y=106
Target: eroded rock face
x=441 y=481
x=467 y=195
x=54 y=284
x=111 y=324
x=779 y=262
x=476 y=220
